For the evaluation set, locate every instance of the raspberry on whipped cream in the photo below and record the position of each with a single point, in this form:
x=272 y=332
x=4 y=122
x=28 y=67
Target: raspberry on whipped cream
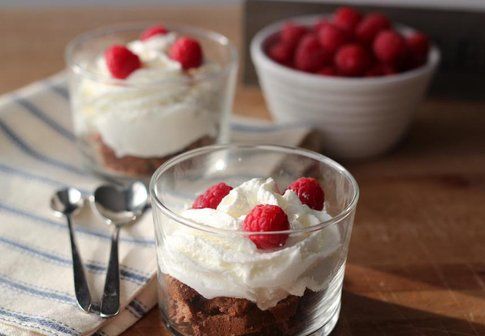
x=121 y=61
x=153 y=31
x=309 y=191
x=212 y=196
x=267 y=218
x=187 y=52
x=232 y=265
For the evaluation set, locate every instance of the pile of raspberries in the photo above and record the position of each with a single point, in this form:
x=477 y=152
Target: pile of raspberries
x=349 y=44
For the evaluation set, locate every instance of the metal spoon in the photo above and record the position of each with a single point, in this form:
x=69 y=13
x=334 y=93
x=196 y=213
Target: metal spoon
x=118 y=207
x=66 y=202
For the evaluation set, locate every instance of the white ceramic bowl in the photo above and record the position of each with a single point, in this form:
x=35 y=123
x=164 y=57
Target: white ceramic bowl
x=357 y=117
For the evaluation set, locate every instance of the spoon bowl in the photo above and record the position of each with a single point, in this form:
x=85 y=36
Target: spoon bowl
x=66 y=201
x=118 y=205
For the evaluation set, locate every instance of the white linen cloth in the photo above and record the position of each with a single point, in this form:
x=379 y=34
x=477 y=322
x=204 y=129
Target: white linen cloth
x=38 y=156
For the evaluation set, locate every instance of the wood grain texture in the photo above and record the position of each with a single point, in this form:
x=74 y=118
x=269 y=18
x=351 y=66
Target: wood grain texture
x=417 y=254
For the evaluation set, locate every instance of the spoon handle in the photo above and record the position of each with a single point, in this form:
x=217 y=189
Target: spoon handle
x=80 y=284
x=110 y=304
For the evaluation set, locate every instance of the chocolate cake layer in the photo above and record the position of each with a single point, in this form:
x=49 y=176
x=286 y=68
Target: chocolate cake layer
x=138 y=166
x=191 y=313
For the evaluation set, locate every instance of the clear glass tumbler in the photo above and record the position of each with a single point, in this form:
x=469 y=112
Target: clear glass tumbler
x=191 y=255
x=126 y=128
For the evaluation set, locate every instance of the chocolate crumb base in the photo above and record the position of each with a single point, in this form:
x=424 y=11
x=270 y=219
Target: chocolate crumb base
x=137 y=166
x=192 y=314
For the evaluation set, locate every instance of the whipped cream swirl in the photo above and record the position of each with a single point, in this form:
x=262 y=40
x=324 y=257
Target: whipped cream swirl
x=143 y=119
x=231 y=265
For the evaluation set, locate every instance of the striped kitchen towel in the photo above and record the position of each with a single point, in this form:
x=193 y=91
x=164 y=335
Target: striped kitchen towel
x=38 y=156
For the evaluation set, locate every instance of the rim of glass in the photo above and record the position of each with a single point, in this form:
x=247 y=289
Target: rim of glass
x=276 y=148
x=82 y=38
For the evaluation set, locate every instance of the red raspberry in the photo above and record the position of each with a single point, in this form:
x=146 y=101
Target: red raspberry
x=380 y=69
x=153 y=31
x=309 y=191
x=320 y=24
x=282 y=53
x=418 y=44
x=187 y=52
x=267 y=218
x=331 y=37
x=291 y=33
x=352 y=60
x=328 y=71
x=390 y=47
x=121 y=61
x=347 y=18
x=309 y=55
x=370 y=26
x=212 y=196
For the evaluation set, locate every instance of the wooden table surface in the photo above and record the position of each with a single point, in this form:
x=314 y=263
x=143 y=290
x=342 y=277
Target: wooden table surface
x=417 y=255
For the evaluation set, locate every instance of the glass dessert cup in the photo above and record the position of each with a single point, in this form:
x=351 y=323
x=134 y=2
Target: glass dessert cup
x=126 y=129
x=207 y=287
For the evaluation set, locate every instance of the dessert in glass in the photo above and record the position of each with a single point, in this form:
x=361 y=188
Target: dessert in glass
x=251 y=240
x=141 y=94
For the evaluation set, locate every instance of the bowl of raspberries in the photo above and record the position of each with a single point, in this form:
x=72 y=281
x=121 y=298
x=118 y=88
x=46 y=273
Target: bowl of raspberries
x=356 y=77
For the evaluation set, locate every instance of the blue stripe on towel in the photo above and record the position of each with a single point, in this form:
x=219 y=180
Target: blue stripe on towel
x=137 y=307
x=42 y=292
x=130 y=275
x=33 y=251
x=19 y=212
x=41 y=322
x=37 y=112
x=30 y=176
x=125 y=273
x=60 y=89
x=133 y=312
x=15 y=139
